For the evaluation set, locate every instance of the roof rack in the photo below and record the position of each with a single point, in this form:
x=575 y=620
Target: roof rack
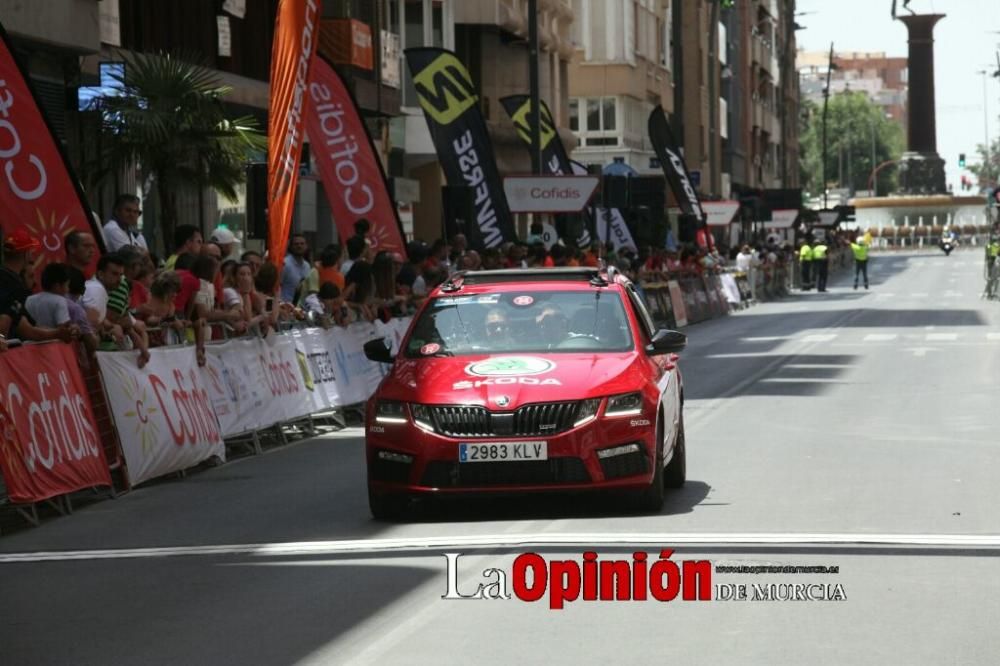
x=568 y=274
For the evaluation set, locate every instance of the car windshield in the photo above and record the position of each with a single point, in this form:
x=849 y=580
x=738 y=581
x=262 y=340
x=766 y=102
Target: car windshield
x=522 y=321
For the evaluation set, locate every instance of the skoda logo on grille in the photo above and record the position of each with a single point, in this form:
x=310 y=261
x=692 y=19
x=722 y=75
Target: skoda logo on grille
x=510 y=366
x=502 y=401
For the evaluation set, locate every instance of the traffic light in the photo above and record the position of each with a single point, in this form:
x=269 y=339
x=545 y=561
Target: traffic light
x=961 y=160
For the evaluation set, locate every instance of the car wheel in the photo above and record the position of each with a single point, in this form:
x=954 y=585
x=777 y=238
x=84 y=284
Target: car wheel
x=651 y=498
x=676 y=472
x=387 y=507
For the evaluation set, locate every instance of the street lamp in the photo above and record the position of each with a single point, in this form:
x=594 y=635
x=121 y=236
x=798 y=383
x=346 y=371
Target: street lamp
x=986 y=128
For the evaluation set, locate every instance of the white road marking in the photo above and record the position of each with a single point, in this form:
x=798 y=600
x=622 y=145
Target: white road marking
x=919 y=294
x=495 y=541
x=993 y=336
x=920 y=351
x=941 y=337
x=819 y=337
x=767 y=338
x=881 y=337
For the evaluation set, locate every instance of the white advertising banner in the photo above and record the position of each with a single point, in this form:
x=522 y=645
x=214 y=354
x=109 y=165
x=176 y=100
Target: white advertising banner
x=163 y=413
x=620 y=235
x=357 y=377
x=321 y=378
x=730 y=289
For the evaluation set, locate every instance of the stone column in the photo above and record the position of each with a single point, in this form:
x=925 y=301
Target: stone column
x=921 y=168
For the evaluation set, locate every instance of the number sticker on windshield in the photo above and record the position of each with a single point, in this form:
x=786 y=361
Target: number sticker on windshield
x=431 y=348
x=523 y=301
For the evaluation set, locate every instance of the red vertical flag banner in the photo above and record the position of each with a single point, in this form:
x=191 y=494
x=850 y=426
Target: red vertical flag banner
x=348 y=164
x=37 y=188
x=49 y=443
x=295 y=39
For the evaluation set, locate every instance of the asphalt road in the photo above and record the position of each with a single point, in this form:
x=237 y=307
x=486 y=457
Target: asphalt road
x=850 y=429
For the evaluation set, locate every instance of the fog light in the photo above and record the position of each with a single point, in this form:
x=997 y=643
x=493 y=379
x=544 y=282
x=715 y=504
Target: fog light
x=622 y=450
x=395 y=457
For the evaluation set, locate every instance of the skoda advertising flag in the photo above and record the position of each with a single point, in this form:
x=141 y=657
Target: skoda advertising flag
x=451 y=106
x=554 y=158
x=295 y=37
x=38 y=190
x=348 y=165
x=673 y=165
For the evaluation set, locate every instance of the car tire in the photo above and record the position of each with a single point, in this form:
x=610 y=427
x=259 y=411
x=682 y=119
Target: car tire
x=675 y=473
x=651 y=498
x=387 y=508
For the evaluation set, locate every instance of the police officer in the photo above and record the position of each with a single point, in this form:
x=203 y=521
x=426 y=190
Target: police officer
x=860 y=250
x=805 y=262
x=820 y=264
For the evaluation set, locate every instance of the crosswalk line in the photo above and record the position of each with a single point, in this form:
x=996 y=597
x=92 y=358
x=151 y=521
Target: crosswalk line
x=993 y=336
x=819 y=337
x=941 y=337
x=881 y=337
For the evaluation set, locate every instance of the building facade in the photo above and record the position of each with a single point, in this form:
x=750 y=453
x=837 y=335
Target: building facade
x=621 y=70
x=883 y=78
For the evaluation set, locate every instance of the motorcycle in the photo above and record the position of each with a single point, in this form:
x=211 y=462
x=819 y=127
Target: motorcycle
x=947 y=245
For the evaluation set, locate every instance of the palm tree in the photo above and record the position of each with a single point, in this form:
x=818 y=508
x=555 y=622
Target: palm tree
x=169 y=122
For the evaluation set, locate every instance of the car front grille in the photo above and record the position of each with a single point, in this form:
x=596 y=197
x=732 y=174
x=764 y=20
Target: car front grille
x=537 y=420
x=450 y=474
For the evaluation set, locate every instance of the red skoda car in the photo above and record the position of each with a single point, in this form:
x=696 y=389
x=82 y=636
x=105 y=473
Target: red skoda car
x=527 y=380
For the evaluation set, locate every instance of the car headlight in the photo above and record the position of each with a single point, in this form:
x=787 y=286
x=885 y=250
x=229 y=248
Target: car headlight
x=422 y=417
x=586 y=411
x=628 y=404
x=390 y=411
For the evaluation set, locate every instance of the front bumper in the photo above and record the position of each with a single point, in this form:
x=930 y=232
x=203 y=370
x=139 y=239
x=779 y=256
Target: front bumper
x=572 y=464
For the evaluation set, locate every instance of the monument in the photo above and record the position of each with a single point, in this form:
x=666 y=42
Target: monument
x=921 y=169
x=921 y=206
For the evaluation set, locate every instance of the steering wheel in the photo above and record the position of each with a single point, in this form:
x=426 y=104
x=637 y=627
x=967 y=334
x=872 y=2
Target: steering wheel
x=581 y=341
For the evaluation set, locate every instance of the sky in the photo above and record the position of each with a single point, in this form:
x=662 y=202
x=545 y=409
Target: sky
x=965 y=40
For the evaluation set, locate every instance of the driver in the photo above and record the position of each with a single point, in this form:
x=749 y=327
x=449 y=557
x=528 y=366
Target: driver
x=497 y=328
x=553 y=325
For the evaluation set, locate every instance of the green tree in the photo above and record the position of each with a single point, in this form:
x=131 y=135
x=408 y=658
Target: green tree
x=851 y=119
x=171 y=124
x=987 y=177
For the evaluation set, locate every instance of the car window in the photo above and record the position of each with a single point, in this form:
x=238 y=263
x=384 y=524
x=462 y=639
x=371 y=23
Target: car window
x=641 y=312
x=528 y=321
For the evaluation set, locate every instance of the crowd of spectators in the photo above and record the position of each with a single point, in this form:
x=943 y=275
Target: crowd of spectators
x=205 y=289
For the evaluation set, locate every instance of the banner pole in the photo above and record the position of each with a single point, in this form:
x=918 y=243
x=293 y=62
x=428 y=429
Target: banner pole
x=534 y=127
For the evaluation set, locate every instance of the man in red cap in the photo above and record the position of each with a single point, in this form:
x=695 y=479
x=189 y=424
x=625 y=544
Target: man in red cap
x=14 y=319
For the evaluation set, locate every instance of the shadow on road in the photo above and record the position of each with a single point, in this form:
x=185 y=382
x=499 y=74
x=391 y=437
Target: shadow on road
x=550 y=506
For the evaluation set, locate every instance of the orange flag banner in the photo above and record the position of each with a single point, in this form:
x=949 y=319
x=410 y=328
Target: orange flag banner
x=295 y=37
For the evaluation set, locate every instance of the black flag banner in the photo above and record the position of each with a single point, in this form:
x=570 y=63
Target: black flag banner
x=555 y=160
x=674 y=167
x=451 y=106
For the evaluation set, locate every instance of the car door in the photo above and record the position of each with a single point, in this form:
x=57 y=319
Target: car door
x=662 y=368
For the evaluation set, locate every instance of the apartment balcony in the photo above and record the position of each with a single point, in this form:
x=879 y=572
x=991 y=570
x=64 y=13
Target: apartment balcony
x=763 y=54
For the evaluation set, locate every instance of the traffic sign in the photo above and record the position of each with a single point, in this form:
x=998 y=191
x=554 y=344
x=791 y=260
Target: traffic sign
x=549 y=194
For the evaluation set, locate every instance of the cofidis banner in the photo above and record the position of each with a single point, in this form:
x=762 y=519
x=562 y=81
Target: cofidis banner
x=49 y=442
x=37 y=187
x=295 y=36
x=451 y=106
x=555 y=160
x=348 y=165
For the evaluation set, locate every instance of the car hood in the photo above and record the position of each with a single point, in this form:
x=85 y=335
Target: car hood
x=509 y=381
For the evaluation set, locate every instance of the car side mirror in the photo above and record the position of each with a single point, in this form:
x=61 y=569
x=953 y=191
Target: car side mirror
x=666 y=341
x=378 y=350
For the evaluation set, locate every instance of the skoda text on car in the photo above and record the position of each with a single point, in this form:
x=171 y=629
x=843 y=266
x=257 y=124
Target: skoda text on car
x=527 y=380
